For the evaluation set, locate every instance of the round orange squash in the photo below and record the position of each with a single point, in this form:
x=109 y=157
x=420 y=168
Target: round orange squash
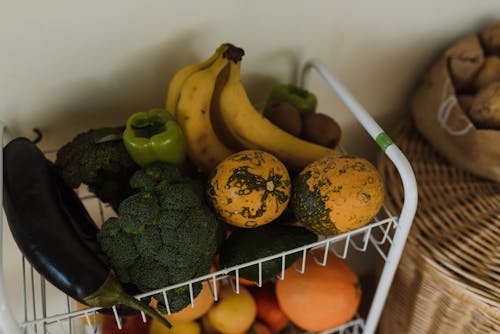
x=323 y=297
x=336 y=194
x=249 y=188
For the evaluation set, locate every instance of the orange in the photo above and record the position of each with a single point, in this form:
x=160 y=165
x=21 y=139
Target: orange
x=92 y=317
x=322 y=297
x=202 y=303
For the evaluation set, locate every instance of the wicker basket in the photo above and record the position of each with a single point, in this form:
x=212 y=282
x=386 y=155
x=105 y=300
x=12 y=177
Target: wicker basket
x=448 y=280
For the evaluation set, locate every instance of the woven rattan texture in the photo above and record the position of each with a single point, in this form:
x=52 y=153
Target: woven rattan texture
x=448 y=280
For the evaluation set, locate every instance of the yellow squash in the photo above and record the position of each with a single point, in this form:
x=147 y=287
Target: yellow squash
x=336 y=194
x=249 y=188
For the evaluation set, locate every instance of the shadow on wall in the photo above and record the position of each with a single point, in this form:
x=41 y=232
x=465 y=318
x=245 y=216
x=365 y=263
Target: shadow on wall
x=138 y=85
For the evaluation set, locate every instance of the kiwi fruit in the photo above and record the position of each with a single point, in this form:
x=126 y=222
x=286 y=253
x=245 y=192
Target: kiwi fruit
x=285 y=116
x=321 y=129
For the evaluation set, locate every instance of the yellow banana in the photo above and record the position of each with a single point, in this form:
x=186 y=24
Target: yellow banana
x=254 y=131
x=193 y=115
x=179 y=78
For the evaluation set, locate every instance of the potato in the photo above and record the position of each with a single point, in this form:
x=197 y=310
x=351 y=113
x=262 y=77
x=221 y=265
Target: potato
x=485 y=108
x=465 y=58
x=491 y=38
x=465 y=102
x=490 y=72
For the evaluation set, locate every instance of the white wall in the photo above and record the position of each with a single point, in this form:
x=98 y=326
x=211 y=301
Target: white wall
x=67 y=66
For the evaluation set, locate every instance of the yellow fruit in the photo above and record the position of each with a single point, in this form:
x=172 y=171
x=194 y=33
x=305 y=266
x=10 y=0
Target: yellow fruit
x=234 y=313
x=183 y=327
x=336 y=194
x=249 y=188
x=207 y=326
x=93 y=318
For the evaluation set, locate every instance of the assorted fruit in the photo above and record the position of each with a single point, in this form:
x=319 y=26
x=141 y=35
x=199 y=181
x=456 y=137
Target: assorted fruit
x=321 y=298
x=207 y=183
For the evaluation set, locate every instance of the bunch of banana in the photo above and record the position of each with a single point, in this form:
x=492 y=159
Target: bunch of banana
x=212 y=107
x=189 y=98
x=252 y=130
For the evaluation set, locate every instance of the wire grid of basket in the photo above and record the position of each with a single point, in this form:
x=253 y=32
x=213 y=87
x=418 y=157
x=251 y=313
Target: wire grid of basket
x=448 y=280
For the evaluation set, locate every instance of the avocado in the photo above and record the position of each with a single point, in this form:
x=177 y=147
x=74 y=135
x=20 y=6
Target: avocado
x=245 y=245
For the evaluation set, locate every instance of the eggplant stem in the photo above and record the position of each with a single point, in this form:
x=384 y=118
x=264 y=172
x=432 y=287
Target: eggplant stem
x=111 y=293
x=38 y=137
x=130 y=301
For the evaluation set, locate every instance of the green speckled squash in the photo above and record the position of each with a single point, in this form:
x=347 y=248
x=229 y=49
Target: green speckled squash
x=249 y=188
x=337 y=194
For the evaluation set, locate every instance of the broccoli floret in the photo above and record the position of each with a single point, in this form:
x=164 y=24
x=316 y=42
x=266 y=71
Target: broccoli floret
x=175 y=235
x=138 y=211
x=148 y=274
x=179 y=196
x=177 y=298
x=98 y=159
x=155 y=177
x=118 y=246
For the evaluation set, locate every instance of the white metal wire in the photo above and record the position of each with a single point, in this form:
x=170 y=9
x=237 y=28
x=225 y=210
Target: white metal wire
x=409 y=187
x=377 y=234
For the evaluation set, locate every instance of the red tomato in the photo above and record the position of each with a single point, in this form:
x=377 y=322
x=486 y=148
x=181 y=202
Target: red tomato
x=130 y=325
x=268 y=309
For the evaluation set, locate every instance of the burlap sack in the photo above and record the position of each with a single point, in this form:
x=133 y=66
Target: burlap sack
x=441 y=105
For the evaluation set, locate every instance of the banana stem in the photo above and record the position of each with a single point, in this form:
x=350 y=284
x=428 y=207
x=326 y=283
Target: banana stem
x=234 y=53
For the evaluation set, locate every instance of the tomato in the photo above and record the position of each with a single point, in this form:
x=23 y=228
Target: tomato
x=268 y=309
x=130 y=325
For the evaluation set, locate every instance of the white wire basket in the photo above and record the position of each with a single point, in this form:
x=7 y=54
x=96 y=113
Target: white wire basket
x=386 y=234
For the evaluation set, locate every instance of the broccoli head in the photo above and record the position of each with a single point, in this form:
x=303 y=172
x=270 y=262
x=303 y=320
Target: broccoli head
x=98 y=159
x=164 y=234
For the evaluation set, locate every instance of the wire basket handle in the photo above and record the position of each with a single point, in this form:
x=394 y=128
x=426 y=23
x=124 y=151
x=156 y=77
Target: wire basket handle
x=407 y=176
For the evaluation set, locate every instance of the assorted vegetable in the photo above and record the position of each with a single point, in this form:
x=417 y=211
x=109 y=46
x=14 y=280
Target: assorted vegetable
x=337 y=194
x=298 y=97
x=171 y=227
x=54 y=231
x=247 y=245
x=249 y=188
x=163 y=235
x=154 y=136
x=98 y=159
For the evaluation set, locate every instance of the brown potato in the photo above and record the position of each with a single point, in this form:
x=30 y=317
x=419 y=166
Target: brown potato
x=491 y=38
x=485 y=108
x=465 y=102
x=321 y=129
x=490 y=72
x=466 y=57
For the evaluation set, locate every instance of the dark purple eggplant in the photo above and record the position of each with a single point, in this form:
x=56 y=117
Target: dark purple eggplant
x=86 y=229
x=55 y=233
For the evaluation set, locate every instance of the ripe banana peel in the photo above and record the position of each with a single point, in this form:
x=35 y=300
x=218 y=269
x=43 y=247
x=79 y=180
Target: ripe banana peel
x=193 y=115
x=180 y=77
x=253 y=131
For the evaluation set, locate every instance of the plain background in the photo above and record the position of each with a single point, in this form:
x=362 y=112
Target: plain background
x=66 y=66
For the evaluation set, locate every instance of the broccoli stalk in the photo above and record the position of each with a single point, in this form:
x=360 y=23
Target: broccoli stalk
x=98 y=158
x=163 y=235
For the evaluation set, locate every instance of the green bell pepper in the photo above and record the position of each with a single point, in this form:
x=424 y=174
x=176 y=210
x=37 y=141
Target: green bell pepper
x=154 y=136
x=303 y=100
